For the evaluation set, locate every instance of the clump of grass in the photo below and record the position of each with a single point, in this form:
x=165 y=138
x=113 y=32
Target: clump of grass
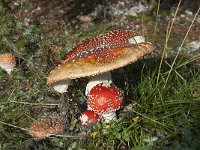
x=156 y=112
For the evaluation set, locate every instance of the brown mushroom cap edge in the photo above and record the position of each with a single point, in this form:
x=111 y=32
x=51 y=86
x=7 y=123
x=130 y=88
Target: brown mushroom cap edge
x=97 y=61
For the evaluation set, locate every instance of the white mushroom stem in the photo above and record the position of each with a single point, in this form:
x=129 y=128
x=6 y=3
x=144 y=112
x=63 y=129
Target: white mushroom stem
x=107 y=117
x=61 y=86
x=101 y=78
x=7 y=67
x=8 y=70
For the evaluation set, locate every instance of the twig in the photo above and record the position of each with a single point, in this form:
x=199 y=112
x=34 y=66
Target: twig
x=26 y=103
x=166 y=41
x=156 y=23
x=176 y=71
x=173 y=63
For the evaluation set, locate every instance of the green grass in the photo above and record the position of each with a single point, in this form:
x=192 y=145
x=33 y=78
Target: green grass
x=163 y=101
x=158 y=110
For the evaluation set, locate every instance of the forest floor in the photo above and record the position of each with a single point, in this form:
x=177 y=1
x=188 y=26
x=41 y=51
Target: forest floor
x=162 y=90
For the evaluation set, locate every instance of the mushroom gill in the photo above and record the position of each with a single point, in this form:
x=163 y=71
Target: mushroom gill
x=98 y=55
x=97 y=61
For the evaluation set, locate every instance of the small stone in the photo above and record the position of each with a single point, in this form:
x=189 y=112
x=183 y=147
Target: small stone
x=194 y=46
x=85 y=19
x=182 y=16
x=16 y=4
x=131 y=12
x=188 y=12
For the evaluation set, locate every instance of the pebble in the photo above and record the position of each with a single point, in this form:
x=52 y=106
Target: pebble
x=188 y=12
x=73 y=146
x=131 y=12
x=182 y=16
x=128 y=107
x=85 y=18
x=193 y=46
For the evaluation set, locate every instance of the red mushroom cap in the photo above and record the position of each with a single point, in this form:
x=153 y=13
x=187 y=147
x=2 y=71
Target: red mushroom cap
x=105 y=98
x=112 y=39
x=101 y=54
x=88 y=117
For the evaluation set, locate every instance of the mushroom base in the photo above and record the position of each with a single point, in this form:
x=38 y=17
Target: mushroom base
x=107 y=117
x=9 y=71
x=62 y=86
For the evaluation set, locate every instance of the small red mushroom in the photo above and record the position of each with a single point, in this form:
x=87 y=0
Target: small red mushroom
x=88 y=117
x=105 y=99
x=7 y=62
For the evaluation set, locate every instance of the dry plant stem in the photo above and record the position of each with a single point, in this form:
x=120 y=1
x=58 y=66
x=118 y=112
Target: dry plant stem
x=189 y=61
x=176 y=71
x=163 y=54
x=40 y=104
x=166 y=41
x=183 y=64
x=25 y=129
x=156 y=23
x=180 y=48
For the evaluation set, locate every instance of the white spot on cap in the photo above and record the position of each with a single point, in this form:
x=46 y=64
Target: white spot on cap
x=136 y=40
x=84 y=119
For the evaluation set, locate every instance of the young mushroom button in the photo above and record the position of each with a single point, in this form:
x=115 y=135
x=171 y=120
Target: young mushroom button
x=105 y=100
x=89 y=117
x=7 y=62
x=96 y=56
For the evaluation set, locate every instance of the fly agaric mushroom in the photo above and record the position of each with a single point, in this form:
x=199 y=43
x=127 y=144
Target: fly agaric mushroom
x=7 y=62
x=105 y=99
x=95 y=56
x=89 y=117
x=47 y=125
